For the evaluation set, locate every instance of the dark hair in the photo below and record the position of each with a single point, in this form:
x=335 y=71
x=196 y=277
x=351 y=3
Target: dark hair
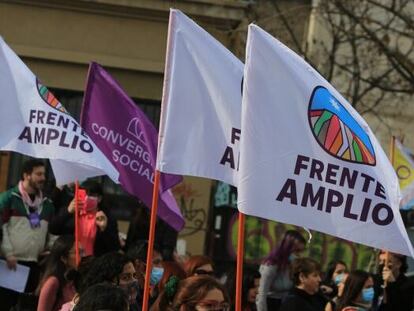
x=331 y=269
x=280 y=255
x=250 y=273
x=77 y=275
x=103 y=296
x=403 y=260
x=138 y=250
x=106 y=268
x=190 y=291
x=305 y=266
x=195 y=262
x=352 y=288
x=93 y=188
x=29 y=165
x=54 y=264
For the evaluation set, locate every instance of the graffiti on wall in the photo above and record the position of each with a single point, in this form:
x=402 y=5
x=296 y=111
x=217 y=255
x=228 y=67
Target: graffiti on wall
x=195 y=217
x=261 y=236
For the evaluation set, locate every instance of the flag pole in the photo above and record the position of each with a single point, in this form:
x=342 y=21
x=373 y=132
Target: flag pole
x=151 y=239
x=387 y=253
x=77 y=259
x=240 y=257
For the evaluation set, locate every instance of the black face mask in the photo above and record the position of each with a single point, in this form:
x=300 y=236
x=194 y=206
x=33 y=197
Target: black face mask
x=131 y=289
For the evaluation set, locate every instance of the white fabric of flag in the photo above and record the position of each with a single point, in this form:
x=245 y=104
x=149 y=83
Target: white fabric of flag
x=38 y=125
x=201 y=105
x=308 y=158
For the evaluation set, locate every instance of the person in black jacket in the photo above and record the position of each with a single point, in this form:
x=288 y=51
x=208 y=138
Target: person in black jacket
x=165 y=236
x=106 y=239
x=305 y=274
x=398 y=289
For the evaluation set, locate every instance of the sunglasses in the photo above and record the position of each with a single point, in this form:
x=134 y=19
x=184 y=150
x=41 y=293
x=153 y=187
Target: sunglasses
x=203 y=272
x=212 y=306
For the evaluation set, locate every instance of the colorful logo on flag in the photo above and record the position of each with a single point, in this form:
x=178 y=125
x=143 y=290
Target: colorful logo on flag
x=49 y=98
x=336 y=131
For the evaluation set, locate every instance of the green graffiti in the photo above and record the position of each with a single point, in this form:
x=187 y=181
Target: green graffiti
x=261 y=236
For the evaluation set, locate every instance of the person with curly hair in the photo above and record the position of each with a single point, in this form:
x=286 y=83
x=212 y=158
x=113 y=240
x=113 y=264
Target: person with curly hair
x=117 y=269
x=103 y=296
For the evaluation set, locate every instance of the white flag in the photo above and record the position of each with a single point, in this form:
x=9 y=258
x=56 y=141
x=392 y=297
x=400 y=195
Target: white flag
x=41 y=127
x=201 y=105
x=308 y=158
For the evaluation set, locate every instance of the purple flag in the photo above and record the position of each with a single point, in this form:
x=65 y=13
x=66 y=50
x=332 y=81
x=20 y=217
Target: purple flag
x=129 y=140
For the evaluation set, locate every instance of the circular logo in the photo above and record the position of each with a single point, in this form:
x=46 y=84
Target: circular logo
x=403 y=172
x=337 y=131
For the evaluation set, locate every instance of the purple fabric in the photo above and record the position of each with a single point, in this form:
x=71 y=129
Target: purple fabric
x=129 y=140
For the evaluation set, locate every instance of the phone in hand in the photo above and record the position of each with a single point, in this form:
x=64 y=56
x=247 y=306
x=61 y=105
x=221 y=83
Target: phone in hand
x=91 y=203
x=81 y=195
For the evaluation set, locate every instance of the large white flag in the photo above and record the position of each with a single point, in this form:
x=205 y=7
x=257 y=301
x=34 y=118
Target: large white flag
x=201 y=105
x=36 y=124
x=307 y=157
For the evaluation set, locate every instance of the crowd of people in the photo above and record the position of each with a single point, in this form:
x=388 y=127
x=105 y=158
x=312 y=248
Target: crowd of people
x=37 y=232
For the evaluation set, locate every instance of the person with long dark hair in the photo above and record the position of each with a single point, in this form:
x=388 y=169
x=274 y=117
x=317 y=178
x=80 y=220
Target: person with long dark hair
x=358 y=292
x=54 y=290
x=275 y=282
x=250 y=287
x=334 y=275
x=398 y=288
x=98 y=229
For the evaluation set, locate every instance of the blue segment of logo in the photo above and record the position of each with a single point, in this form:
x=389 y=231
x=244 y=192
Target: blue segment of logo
x=322 y=99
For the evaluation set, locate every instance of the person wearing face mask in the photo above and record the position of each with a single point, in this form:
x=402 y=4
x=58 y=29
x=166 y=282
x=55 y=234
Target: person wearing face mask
x=358 y=293
x=170 y=269
x=275 y=282
x=305 y=296
x=398 y=289
x=331 y=305
x=334 y=275
x=115 y=268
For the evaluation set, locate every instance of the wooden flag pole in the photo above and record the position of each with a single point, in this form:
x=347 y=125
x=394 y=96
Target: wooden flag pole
x=77 y=258
x=151 y=239
x=240 y=257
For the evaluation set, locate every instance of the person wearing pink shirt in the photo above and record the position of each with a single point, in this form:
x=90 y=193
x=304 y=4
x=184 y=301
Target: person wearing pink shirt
x=53 y=288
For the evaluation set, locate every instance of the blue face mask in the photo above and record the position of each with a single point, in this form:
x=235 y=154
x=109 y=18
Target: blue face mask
x=339 y=278
x=368 y=294
x=292 y=257
x=156 y=275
